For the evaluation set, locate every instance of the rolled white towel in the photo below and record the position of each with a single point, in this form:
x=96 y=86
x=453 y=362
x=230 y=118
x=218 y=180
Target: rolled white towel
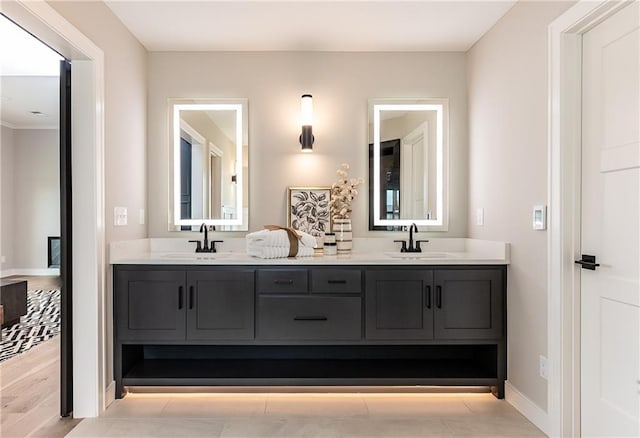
x=275 y=252
x=278 y=238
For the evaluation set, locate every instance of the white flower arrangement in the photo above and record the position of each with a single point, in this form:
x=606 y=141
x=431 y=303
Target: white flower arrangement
x=343 y=192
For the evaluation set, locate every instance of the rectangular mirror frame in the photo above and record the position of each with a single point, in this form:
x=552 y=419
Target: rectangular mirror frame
x=239 y=106
x=441 y=106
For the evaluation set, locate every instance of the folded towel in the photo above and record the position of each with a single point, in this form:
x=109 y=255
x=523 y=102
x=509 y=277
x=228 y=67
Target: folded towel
x=272 y=252
x=278 y=238
x=276 y=243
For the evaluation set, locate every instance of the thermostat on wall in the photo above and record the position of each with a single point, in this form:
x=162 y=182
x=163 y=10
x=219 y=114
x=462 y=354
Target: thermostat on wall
x=539 y=217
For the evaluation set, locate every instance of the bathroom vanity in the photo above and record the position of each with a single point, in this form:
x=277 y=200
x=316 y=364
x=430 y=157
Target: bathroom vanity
x=371 y=319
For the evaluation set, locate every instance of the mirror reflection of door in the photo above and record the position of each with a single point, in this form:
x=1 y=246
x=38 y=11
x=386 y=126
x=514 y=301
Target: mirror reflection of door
x=390 y=206
x=414 y=171
x=185 y=181
x=215 y=175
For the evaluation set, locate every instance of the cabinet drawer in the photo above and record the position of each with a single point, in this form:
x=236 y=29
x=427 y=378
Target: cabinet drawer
x=336 y=281
x=278 y=281
x=309 y=318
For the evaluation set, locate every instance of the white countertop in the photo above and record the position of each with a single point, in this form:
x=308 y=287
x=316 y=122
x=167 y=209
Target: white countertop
x=366 y=251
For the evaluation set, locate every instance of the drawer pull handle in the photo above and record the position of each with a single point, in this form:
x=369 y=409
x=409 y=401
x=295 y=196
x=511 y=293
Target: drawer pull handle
x=428 y=298
x=180 y=297
x=309 y=318
x=337 y=281
x=439 y=297
x=283 y=281
x=191 y=297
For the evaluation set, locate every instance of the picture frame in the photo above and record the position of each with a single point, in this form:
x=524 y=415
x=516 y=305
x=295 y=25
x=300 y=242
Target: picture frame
x=308 y=209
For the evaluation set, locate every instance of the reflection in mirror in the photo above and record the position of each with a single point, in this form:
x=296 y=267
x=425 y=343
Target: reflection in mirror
x=408 y=163
x=210 y=165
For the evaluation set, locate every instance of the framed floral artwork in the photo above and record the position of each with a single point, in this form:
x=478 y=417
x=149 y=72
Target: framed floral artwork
x=308 y=209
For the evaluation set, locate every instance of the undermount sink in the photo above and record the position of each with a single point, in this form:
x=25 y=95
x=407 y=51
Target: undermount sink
x=420 y=255
x=196 y=255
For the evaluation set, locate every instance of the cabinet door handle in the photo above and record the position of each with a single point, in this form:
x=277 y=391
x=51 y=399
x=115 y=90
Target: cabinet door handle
x=283 y=281
x=309 y=318
x=439 y=297
x=428 y=296
x=190 y=297
x=180 y=297
x=337 y=281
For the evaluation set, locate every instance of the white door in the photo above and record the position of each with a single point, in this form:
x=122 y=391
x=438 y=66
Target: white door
x=414 y=175
x=610 y=294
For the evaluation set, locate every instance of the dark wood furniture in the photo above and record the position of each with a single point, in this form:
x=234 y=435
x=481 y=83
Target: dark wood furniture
x=13 y=297
x=310 y=325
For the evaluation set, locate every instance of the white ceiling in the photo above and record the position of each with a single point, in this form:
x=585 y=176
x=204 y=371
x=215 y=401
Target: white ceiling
x=29 y=80
x=23 y=94
x=307 y=25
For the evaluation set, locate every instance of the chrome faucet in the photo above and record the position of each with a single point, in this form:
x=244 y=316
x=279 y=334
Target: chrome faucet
x=413 y=227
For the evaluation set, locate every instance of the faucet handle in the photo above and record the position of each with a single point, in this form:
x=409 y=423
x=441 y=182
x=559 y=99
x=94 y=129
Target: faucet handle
x=404 y=245
x=418 y=249
x=198 y=245
x=213 y=245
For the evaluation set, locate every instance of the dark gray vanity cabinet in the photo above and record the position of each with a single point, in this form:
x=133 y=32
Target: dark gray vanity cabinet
x=150 y=305
x=310 y=325
x=399 y=304
x=173 y=305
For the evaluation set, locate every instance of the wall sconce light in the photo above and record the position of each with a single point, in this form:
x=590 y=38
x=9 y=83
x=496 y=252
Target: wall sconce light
x=234 y=179
x=306 y=109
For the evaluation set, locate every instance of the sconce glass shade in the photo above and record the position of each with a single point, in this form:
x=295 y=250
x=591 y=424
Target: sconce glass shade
x=306 y=110
x=306 y=113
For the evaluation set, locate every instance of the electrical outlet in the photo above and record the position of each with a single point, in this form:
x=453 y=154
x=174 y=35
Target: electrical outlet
x=3 y=259
x=120 y=216
x=141 y=216
x=543 y=367
x=480 y=216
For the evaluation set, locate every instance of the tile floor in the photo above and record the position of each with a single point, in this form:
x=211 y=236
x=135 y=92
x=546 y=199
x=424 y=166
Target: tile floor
x=309 y=415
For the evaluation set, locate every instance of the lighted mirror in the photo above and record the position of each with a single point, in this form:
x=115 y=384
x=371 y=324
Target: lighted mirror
x=209 y=160
x=408 y=163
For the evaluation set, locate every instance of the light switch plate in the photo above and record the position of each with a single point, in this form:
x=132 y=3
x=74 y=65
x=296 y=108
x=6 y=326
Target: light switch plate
x=539 y=217
x=141 y=216
x=480 y=216
x=119 y=216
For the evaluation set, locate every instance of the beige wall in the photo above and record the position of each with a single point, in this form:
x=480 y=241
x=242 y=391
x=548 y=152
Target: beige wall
x=341 y=84
x=36 y=175
x=125 y=61
x=6 y=197
x=30 y=196
x=508 y=172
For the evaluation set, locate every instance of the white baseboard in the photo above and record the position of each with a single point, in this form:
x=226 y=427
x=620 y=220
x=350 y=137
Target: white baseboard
x=110 y=394
x=36 y=272
x=529 y=409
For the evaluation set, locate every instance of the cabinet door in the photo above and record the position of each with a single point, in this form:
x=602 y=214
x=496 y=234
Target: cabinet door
x=220 y=305
x=399 y=304
x=469 y=304
x=150 y=305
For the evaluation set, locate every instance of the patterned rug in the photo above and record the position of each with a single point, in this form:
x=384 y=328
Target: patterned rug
x=41 y=323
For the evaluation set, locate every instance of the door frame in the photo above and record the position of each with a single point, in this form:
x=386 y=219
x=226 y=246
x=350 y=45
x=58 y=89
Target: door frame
x=90 y=394
x=564 y=192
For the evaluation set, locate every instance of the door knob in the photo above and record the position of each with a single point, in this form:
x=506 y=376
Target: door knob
x=588 y=262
